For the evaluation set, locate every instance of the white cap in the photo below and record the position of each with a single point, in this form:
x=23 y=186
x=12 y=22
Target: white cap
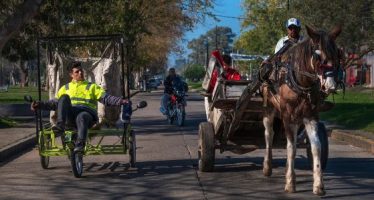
x=294 y=22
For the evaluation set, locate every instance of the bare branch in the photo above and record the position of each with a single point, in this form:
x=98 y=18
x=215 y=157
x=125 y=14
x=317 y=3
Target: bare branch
x=351 y=61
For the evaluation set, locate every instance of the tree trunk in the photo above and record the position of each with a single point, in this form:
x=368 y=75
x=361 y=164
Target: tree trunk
x=13 y=78
x=24 y=82
x=23 y=14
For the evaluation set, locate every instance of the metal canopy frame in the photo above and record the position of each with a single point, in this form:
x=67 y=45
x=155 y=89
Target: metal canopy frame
x=78 y=38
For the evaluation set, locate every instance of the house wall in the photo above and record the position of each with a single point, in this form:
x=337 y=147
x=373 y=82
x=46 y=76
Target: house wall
x=354 y=73
x=369 y=60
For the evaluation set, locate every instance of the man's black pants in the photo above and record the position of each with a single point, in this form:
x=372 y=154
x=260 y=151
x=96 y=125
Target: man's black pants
x=74 y=116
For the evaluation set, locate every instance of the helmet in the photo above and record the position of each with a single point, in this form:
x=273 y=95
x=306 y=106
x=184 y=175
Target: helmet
x=293 y=22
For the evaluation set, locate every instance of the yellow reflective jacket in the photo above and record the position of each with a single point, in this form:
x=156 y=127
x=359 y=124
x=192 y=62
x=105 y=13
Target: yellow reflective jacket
x=82 y=93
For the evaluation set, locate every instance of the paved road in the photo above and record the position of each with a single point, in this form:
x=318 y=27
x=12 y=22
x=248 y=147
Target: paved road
x=166 y=169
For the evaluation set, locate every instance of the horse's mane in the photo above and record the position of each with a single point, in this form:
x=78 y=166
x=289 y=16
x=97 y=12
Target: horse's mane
x=329 y=47
x=299 y=55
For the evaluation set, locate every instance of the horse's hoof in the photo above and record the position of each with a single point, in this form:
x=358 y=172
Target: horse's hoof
x=290 y=188
x=267 y=171
x=319 y=191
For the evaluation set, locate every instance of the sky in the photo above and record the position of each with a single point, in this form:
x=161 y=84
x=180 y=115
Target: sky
x=222 y=7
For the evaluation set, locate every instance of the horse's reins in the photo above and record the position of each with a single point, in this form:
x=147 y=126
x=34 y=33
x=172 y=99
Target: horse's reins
x=292 y=82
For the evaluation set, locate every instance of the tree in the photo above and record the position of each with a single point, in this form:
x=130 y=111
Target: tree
x=217 y=38
x=20 y=50
x=151 y=28
x=194 y=72
x=265 y=22
x=13 y=22
x=356 y=18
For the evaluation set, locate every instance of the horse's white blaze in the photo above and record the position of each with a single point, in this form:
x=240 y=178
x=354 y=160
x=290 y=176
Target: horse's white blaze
x=291 y=153
x=311 y=127
x=330 y=84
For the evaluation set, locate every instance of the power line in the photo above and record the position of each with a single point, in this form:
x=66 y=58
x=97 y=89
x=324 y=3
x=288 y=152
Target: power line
x=225 y=16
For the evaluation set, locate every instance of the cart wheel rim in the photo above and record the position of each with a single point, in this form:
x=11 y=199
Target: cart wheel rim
x=44 y=144
x=78 y=163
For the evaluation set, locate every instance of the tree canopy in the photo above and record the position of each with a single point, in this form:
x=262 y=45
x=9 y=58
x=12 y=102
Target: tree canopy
x=217 y=38
x=265 y=22
x=151 y=28
x=194 y=72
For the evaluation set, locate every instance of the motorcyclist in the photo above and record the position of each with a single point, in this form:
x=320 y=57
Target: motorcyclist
x=170 y=81
x=76 y=104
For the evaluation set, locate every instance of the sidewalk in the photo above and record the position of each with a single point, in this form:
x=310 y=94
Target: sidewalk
x=15 y=140
x=357 y=138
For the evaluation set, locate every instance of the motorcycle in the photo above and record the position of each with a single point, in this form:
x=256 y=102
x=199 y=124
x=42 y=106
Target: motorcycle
x=176 y=107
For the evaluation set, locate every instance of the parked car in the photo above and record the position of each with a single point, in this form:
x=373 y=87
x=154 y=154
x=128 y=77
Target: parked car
x=159 y=81
x=152 y=84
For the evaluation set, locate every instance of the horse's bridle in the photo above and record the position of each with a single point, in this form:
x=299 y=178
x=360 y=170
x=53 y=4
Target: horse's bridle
x=301 y=90
x=291 y=77
x=325 y=69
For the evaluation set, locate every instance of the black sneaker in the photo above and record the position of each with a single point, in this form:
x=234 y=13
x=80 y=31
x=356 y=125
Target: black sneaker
x=59 y=131
x=79 y=146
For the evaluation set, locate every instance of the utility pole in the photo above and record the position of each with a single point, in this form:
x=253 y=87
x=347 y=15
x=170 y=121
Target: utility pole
x=1 y=70
x=207 y=53
x=216 y=38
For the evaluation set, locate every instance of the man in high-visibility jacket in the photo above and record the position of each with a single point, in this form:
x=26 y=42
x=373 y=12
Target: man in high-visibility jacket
x=76 y=104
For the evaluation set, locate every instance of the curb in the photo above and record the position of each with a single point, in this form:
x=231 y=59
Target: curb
x=353 y=139
x=134 y=93
x=17 y=147
x=24 y=144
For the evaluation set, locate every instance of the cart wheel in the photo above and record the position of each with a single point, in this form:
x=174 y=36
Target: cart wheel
x=132 y=149
x=181 y=114
x=323 y=139
x=206 y=151
x=77 y=163
x=44 y=144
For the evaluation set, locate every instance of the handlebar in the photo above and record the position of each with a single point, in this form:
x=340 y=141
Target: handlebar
x=127 y=110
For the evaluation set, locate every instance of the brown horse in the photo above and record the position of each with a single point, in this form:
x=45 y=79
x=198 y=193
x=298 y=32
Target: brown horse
x=298 y=98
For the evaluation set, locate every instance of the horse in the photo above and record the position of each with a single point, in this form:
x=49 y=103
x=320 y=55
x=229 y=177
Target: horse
x=297 y=99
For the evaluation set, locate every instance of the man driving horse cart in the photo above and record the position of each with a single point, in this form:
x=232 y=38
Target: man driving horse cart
x=246 y=115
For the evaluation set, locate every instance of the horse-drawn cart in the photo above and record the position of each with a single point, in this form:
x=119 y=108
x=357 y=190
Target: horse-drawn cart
x=234 y=110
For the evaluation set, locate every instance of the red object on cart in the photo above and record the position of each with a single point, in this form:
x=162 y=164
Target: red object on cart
x=229 y=72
